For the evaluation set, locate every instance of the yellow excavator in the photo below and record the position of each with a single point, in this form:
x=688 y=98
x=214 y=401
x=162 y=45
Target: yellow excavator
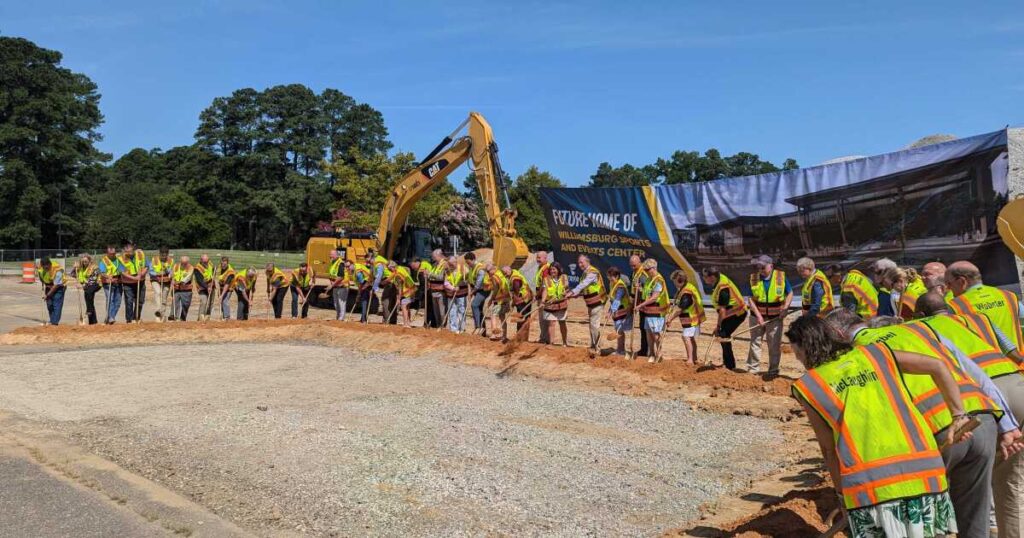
x=397 y=241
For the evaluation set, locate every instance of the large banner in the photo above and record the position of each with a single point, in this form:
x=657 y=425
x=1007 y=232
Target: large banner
x=934 y=203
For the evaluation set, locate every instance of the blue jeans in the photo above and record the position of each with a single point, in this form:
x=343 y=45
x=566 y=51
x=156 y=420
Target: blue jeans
x=55 y=305
x=456 y=315
x=113 y=293
x=225 y=305
x=295 y=301
x=131 y=293
x=479 y=298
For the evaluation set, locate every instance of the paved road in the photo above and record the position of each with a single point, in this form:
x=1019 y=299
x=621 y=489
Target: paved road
x=35 y=503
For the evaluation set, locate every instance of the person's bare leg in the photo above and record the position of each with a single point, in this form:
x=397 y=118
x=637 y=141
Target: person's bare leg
x=620 y=343
x=564 y=329
x=691 y=349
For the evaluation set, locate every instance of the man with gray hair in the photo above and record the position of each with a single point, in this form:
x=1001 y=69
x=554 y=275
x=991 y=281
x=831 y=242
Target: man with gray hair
x=591 y=288
x=884 y=294
x=181 y=282
x=816 y=294
x=770 y=297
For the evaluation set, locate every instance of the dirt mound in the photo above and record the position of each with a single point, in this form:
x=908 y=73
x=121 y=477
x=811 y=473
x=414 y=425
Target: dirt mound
x=710 y=388
x=800 y=514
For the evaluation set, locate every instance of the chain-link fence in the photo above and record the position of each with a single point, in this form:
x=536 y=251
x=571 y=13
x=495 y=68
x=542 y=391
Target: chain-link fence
x=11 y=260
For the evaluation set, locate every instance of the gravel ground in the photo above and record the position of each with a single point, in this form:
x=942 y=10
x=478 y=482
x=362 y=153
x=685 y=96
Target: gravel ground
x=282 y=438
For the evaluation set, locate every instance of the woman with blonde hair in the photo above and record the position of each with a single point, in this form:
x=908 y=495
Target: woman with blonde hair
x=554 y=289
x=87 y=274
x=689 y=308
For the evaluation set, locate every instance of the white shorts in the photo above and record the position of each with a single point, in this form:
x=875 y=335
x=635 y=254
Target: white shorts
x=691 y=332
x=407 y=301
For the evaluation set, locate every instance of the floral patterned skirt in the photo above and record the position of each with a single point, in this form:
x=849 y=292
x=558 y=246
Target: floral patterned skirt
x=921 y=517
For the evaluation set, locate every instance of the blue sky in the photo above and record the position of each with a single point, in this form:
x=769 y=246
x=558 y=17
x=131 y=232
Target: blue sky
x=565 y=85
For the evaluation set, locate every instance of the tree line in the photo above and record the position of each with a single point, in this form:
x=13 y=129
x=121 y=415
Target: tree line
x=266 y=168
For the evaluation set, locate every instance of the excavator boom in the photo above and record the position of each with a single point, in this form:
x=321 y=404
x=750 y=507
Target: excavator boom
x=479 y=148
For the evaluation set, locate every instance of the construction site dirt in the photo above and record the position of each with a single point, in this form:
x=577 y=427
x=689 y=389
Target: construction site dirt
x=714 y=454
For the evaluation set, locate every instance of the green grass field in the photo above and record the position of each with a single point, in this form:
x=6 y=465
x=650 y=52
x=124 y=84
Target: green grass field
x=239 y=258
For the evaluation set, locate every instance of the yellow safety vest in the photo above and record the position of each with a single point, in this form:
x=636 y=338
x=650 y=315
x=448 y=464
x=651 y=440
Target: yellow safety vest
x=915 y=338
x=49 y=275
x=827 y=301
x=660 y=307
x=500 y=291
x=161 y=268
x=883 y=445
x=335 y=269
x=639 y=279
x=525 y=295
x=1000 y=307
x=300 y=280
x=226 y=276
x=360 y=269
x=179 y=275
x=474 y=273
x=626 y=304
x=538 y=278
x=206 y=270
x=133 y=266
x=457 y=278
x=736 y=306
x=860 y=287
x=406 y=283
x=594 y=294
x=985 y=354
x=693 y=315
x=770 y=303
x=555 y=289
x=110 y=267
x=84 y=274
x=278 y=279
x=908 y=299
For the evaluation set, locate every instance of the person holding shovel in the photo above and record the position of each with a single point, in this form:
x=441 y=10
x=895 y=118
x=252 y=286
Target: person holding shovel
x=183 y=275
x=591 y=288
x=51 y=274
x=456 y=288
x=689 y=308
x=301 y=283
x=160 y=276
x=133 y=270
x=110 y=277
x=522 y=301
x=339 y=273
x=555 y=302
x=732 y=310
x=277 y=288
x=204 y=285
x=500 y=297
x=770 y=296
x=407 y=287
x=244 y=292
x=88 y=274
x=654 y=304
x=480 y=283
x=226 y=275
x=620 y=308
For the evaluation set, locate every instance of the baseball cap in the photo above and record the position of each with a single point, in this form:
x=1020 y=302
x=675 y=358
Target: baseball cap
x=761 y=260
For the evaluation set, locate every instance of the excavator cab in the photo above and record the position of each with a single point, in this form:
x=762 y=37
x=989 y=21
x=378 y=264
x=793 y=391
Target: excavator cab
x=413 y=244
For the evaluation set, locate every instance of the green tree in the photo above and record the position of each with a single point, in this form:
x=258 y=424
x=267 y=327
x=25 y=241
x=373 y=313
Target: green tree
x=525 y=197
x=48 y=121
x=624 y=176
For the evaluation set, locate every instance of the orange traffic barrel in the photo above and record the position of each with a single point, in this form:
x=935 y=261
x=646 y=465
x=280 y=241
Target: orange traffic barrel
x=28 y=273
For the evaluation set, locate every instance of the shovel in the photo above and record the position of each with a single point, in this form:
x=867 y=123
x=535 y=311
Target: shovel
x=81 y=317
x=836 y=522
x=631 y=355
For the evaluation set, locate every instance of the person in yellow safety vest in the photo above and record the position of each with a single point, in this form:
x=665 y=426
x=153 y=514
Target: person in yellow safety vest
x=205 y=285
x=620 y=308
x=881 y=456
x=110 y=277
x=479 y=282
x=383 y=290
x=522 y=300
x=554 y=301
x=500 y=298
x=226 y=282
x=969 y=465
x=689 y=308
x=160 y=277
x=639 y=279
x=933 y=275
x=1007 y=376
x=897 y=280
x=339 y=273
x=1003 y=308
x=914 y=290
x=770 y=297
x=277 y=288
x=543 y=263
x=51 y=275
x=591 y=288
x=87 y=274
x=858 y=295
x=301 y=284
x=654 y=303
x=731 y=308
x=886 y=304
x=456 y=290
x=362 y=280
x=132 y=266
x=243 y=293
x=816 y=297
x=402 y=278
x=976 y=301
x=435 y=283
x=183 y=276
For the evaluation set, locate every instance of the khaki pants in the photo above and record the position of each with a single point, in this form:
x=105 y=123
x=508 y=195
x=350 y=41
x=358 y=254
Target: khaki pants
x=162 y=291
x=594 y=313
x=772 y=333
x=1008 y=476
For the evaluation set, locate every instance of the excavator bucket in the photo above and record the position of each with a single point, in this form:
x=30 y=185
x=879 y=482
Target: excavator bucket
x=510 y=251
x=1010 y=224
